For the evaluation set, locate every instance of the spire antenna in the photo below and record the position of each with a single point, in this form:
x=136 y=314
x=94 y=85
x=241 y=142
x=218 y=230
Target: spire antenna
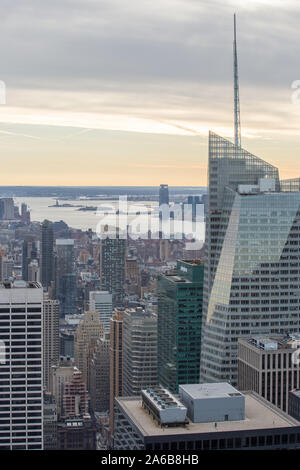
x=237 y=119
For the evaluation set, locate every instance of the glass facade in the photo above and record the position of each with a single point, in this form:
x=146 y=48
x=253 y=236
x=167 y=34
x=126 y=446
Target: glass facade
x=179 y=325
x=252 y=283
x=112 y=271
x=66 y=288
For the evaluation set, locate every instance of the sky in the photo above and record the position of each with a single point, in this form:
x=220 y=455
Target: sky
x=114 y=92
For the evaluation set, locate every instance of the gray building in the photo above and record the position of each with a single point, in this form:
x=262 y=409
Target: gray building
x=65 y=287
x=99 y=376
x=252 y=283
x=50 y=422
x=139 y=350
x=158 y=421
x=101 y=302
x=265 y=366
x=51 y=343
x=163 y=194
x=213 y=402
x=7 y=210
x=294 y=403
x=29 y=254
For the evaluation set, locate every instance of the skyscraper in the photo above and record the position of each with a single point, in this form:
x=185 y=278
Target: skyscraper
x=75 y=396
x=252 y=256
x=47 y=259
x=101 y=302
x=115 y=362
x=180 y=298
x=21 y=371
x=89 y=330
x=65 y=288
x=139 y=350
x=60 y=374
x=29 y=253
x=7 y=210
x=163 y=194
x=99 y=375
x=265 y=366
x=50 y=338
x=112 y=268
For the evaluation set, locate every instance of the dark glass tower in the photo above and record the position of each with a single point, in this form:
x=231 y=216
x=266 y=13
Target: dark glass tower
x=179 y=325
x=65 y=284
x=47 y=258
x=163 y=194
x=112 y=268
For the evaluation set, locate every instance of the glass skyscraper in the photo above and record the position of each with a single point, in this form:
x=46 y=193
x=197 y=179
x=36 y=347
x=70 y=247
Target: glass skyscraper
x=112 y=268
x=47 y=250
x=252 y=283
x=66 y=288
x=179 y=312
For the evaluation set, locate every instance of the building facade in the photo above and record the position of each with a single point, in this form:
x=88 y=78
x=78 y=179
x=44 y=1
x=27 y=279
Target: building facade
x=179 y=312
x=139 y=350
x=47 y=254
x=115 y=362
x=160 y=422
x=99 y=376
x=21 y=369
x=252 y=256
x=89 y=330
x=65 y=287
x=51 y=344
x=101 y=302
x=112 y=268
x=265 y=365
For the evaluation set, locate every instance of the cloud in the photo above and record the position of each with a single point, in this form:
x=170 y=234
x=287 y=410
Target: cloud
x=150 y=67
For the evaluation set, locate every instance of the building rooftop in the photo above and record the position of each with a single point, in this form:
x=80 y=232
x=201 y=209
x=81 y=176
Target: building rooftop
x=273 y=342
x=210 y=390
x=162 y=398
x=20 y=285
x=64 y=241
x=260 y=414
x=296 y=391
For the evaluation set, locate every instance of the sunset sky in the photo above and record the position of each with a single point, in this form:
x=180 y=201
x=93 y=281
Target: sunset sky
x=115 y=92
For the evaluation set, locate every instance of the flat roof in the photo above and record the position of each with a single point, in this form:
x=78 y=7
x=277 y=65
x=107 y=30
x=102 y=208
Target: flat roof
x=210 y=390
x=20 y=284
x=258 y=342
x=64 y=241
x=260 y=414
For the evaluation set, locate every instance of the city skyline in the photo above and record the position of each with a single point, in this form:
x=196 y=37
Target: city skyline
x=136 y=89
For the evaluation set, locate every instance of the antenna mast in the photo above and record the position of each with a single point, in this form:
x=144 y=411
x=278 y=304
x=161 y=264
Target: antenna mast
x=237 y=119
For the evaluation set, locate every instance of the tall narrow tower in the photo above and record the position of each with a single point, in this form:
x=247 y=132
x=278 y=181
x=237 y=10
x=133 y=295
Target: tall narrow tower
x=237 y=119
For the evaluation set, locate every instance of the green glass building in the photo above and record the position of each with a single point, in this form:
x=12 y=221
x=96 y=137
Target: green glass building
x=180 y=298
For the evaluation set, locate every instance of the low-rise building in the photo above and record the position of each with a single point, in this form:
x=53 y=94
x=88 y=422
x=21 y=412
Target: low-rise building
x=266 y=366
x=141 y=424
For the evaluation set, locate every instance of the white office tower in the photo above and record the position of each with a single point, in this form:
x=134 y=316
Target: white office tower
x=101 y=302
x=21 y=366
